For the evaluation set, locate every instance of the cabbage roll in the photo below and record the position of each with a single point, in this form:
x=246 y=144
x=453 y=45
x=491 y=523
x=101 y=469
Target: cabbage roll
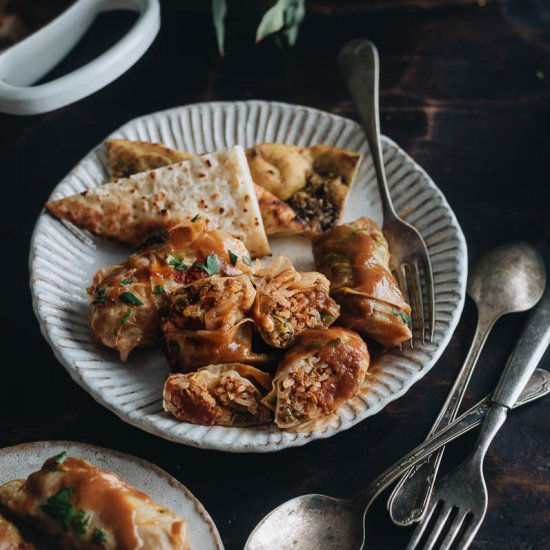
x=323 y=370
x=225 y=395
x=213 y=303
x=126 y=299
x=289 y=302
x=11 y=538
x=187 y=350
x=82 y=507
x=355 y=258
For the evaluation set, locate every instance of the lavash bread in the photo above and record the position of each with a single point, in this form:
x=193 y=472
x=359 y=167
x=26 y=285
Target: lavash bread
x=216 y=186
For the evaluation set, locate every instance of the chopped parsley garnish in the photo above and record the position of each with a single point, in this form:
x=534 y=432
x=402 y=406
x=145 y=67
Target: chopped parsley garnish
x=233 y=258
x=404 y=317
x=174 y=347
x=212 y=266
x=247 y=260
x=82 y=522
x=154 y=238
x=177 y=264
x=61 y=457
x=195 y=218
x=125 y=317
x=100 y=297
x=125 y=282
x=98 y=536
x=129 y=298
x=327 y=318
x=158 y=289
x=59 y=506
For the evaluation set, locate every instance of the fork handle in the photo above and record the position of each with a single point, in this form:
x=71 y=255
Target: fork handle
x=360 y=68
x=409 y=500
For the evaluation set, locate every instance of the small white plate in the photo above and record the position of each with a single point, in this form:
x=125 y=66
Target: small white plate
x=64 y=259
x=21 y=460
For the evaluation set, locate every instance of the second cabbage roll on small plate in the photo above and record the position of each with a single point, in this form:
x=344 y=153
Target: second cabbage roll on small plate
x=323 y=370
x=355 y=258
x=289 y=302
x=224 y=395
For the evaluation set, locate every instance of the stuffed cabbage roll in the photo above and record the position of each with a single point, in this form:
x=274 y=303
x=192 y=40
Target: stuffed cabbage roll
x=289 y=302
x=11 y=538
x=213 y=303
x=355 y=258
x=187 y=350
x=323 y=370
x=126 y=299
x=82 y=507
x=225 y=395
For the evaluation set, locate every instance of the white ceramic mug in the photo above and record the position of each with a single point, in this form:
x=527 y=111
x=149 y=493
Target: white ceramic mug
x=29 y=60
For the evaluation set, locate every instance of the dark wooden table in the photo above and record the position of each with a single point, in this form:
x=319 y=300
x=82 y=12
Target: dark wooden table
x=465 y=91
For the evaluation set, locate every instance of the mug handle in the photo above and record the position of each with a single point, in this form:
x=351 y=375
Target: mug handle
x=28 y=61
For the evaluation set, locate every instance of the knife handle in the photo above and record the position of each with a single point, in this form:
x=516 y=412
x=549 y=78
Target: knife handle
x=527 y=354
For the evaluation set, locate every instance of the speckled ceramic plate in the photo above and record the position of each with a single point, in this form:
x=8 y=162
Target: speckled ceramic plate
x=20 y=461
x=64 y=259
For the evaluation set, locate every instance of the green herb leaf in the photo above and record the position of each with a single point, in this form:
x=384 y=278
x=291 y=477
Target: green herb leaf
x=98 y=536
x=82 y=522
x=61 y=457
x=100 y=297
x=177 y=264
x=327 y=318
x=233 y=258
x=125 y=317
x=195 y=218
x=154 y=238
x=158 y=289
x=212 y=266
x=129 y=298
x=404 y=317
x=59 y=506
x=294 y=15
x=219 y=9
x=174 y=347
x=247 y=261
x=272 y=21
x=125 y=282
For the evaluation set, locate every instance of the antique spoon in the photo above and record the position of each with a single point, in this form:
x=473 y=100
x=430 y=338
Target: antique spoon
x=313 y=522
x=508 y=279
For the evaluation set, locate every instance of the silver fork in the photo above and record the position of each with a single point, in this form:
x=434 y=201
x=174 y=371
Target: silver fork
x=459 y=501
x=359 y=64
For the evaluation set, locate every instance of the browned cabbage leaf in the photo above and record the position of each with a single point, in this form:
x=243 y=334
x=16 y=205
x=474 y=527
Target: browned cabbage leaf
x=355 y=258
x=82 y=507
x=226 y=395
x=323 y=370
x=289 y=302
x=126 y=299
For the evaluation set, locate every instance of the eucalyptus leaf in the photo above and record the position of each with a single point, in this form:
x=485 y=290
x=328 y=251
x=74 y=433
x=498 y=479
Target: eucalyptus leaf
x=272 y=21
x=219 y=10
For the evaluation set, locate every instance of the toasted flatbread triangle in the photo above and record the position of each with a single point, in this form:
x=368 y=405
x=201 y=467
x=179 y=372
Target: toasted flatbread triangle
x=130 y=157
x=315 y=181
x=218 y=186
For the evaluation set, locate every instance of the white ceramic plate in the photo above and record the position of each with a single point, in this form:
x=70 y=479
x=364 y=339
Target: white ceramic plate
x=64 y=259
x=20 y=461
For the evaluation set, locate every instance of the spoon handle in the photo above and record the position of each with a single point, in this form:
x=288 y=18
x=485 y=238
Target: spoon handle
x=408 y=501
x=538 y=386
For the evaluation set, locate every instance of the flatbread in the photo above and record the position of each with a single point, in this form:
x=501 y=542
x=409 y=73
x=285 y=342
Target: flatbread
x=216 y=186
x=130 y=157
x=315 y=181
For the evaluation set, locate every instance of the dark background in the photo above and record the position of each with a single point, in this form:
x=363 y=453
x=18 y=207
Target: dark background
x=465 y=89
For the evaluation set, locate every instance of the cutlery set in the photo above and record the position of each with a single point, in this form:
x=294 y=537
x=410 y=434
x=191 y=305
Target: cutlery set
x=510 y=278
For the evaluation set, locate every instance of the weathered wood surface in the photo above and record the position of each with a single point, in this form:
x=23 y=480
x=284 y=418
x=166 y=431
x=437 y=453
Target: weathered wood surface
x=465 y=90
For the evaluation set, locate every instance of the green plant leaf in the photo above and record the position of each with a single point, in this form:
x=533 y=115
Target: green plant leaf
x=294 y=15
x=219 y=9
x=272 y=21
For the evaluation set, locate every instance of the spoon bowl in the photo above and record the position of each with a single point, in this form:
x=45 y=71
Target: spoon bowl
x=508 y=279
